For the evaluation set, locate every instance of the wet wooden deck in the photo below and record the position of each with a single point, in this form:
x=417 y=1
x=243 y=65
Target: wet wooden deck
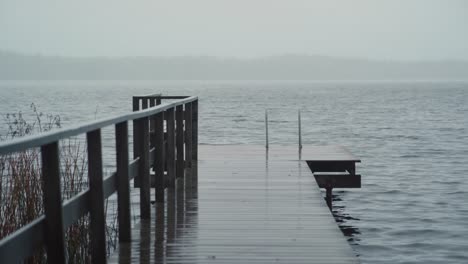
x=247 y=209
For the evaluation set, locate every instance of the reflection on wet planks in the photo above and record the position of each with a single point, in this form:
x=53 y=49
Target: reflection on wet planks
x=152 y=240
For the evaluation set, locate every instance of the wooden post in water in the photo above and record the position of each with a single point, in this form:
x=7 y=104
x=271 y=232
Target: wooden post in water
x=123 y=189
x=180 y=145
x=171 y=141
x=96 y=196
x=266 y=128
x=141 y=135
x=55 y=237
x=299 y=127
x=159 y=157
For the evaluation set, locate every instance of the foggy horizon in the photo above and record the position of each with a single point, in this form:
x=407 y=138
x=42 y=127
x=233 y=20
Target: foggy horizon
x=232 y=57
x=372 y=30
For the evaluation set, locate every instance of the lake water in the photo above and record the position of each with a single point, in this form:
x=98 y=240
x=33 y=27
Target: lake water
x=411 y=136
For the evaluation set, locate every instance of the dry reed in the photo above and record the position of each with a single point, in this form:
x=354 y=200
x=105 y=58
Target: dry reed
x=21 y=185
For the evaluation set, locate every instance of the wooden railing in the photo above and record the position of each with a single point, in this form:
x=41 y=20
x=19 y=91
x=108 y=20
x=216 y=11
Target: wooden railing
x=171 y=147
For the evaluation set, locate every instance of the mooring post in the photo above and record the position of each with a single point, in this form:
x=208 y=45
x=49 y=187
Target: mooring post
x=299 y=127
x=266 y=127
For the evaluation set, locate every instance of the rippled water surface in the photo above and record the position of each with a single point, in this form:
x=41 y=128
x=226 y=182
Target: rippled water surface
x=411 y=137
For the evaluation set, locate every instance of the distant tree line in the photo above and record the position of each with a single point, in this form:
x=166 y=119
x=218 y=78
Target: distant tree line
x=15 y=66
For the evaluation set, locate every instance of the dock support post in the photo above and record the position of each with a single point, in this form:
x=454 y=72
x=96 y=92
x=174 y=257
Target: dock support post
x=266 y=128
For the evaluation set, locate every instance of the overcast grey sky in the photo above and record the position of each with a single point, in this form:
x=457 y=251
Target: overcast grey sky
x=382 y=29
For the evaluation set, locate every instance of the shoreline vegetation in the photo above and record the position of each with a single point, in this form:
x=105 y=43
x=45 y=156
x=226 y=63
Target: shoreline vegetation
x=21 y=185
x=15 y=66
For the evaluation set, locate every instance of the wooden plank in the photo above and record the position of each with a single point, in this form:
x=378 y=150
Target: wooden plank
x=338 y=180
x=96 y=196
x=331 y=166
x=247 y=211
x=276 y=152
x=55 y=239
x=75 y=208
x=133 y=168
x=123 y=188
x=109 y=185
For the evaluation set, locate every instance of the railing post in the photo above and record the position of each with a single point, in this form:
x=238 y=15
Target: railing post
x=159 y=156
x=180 y=145
x=97 y=217
x=142 y=151
x=55 y=238
x=135 y=107
x=135 y=104
x=195 y=143
x=170 y=150
x=195 y=130
x=188 y=145
x=151 y=125
x=123 y=189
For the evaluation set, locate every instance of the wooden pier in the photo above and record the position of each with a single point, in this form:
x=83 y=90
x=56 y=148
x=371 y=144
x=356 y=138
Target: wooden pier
x=246 y=209
x=210 y=203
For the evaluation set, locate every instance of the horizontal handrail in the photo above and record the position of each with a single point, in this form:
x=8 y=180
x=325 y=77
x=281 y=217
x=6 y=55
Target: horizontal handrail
x=34 y=141
x=29 y=238
x=159 y=96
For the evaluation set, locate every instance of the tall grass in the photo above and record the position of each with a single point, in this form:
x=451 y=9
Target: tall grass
x=21 y=184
